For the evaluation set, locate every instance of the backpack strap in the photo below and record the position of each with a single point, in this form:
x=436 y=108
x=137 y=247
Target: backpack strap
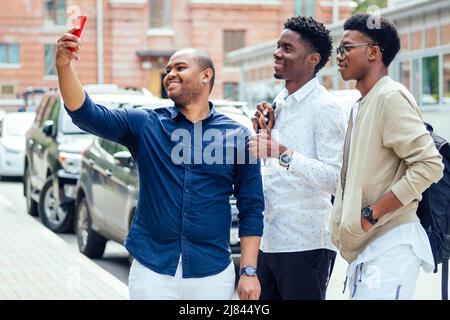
x=444 y=280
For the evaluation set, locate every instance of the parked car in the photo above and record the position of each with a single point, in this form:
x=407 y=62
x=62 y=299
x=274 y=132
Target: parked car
x=13 y=127
x=53 y=156
x=107 y=192
x=345 y=99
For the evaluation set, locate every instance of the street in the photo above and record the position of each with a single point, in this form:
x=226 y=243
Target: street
x=115 y=259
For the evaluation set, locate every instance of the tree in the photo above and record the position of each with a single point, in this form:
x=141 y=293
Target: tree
x=364 y=4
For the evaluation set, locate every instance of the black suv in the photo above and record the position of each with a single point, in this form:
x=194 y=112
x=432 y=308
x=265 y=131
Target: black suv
x=53 y=155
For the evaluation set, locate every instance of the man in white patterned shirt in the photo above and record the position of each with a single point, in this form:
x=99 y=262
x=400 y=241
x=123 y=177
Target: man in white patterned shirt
x=302 y=143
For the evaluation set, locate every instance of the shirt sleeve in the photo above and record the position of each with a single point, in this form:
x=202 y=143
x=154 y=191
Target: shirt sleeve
x=329 y=134
x=404 y=132
x=249 y=195
x=119 y=125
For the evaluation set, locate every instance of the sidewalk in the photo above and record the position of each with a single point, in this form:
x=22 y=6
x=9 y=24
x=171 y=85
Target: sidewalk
x=36 y=264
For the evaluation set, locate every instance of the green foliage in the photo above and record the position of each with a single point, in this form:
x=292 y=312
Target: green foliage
x=364 y=4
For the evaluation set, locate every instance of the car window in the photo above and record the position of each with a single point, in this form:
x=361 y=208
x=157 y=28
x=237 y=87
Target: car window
x=47 y=111
x=120 y=147
x=67 y=126
x=41 y=109
x=108 y=146
x=54 y=111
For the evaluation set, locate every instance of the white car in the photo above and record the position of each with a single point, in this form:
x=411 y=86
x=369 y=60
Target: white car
x=12 y=142
x=345 y=99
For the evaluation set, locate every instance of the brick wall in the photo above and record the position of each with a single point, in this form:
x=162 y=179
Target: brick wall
x=126 y=32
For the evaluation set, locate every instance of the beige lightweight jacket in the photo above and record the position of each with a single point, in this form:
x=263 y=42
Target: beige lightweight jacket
x=391 y=151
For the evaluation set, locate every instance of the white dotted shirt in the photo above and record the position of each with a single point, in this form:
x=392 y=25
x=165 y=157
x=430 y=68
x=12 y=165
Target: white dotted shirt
x=298 y=206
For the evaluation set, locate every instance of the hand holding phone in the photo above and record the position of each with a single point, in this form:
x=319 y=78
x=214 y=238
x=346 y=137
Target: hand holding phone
x=81 y=20
x=264 y=117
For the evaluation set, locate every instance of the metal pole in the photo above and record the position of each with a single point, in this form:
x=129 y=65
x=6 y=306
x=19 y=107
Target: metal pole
x=335 y=11
x=100 y=74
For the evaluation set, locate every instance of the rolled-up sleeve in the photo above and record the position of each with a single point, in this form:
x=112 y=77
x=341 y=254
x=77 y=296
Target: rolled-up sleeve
x=405 y=133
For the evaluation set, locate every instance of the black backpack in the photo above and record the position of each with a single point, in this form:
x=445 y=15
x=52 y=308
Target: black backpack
x=434 y=212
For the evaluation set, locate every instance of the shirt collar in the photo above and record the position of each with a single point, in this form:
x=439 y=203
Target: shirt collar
x=177 y=114
x=300 y=94
x=306 y=89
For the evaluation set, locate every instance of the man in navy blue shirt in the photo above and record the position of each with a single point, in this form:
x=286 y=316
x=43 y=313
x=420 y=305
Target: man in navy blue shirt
x=191 y=159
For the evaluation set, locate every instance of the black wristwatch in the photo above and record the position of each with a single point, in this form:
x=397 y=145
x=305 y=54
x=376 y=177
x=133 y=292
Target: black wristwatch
x=249 y=271
x=367 y=213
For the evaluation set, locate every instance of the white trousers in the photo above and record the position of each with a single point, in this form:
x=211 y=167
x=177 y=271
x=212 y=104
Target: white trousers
x=145 y=284
x=391 y=276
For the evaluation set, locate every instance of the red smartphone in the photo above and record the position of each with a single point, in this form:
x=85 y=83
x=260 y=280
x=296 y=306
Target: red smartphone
x=81 y=20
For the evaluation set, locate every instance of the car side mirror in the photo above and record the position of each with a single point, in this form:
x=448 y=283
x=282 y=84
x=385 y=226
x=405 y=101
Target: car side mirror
x=123 y=158
x=48 y=127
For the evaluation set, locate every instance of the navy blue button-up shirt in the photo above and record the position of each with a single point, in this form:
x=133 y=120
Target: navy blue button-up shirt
x=187 y=173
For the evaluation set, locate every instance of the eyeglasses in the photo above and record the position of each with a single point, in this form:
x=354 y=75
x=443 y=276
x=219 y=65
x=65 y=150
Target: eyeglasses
x=343 y=48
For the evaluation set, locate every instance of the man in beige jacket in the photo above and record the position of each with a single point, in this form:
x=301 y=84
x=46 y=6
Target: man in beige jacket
x=389 y=160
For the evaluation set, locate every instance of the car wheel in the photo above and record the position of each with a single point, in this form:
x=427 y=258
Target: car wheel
x=90 y=243
x=57 y=218
x=32 y=206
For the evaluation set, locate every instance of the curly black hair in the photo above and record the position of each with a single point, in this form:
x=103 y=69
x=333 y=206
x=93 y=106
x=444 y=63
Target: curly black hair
x=315 y=34
x=380 y=30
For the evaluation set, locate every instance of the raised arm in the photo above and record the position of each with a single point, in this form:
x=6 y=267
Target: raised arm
x=119 y=125
x=69 y=84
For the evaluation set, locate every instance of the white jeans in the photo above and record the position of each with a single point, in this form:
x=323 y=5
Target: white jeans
x=145 y=284
x=391 y=276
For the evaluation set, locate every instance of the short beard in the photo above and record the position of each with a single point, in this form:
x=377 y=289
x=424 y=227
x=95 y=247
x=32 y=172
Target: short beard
x=186 y=98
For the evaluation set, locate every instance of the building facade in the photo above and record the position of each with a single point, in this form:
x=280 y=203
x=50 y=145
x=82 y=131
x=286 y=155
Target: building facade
x=422 y=65
x=128 y=42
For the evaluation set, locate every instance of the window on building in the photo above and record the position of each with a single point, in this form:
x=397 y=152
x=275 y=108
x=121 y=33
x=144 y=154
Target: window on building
x=55 y=11
x=7 y=90
x=9 y=53
x=50 y=67
x=445 y=34
x=160 y=14
x=233 y=40
x=404 y=73
x=231 y=91
x=416 y=79
x=446 y=79
x=430 y=81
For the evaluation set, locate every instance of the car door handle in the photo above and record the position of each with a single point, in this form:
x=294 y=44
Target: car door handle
x=108 y=173
x=91 y=162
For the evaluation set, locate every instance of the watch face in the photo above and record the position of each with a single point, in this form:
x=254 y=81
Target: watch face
x=250 y=271
x=285 y=159
x=367 y=212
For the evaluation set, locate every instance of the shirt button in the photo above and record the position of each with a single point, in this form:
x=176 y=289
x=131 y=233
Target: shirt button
x=184 y=214
x=187 y=190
